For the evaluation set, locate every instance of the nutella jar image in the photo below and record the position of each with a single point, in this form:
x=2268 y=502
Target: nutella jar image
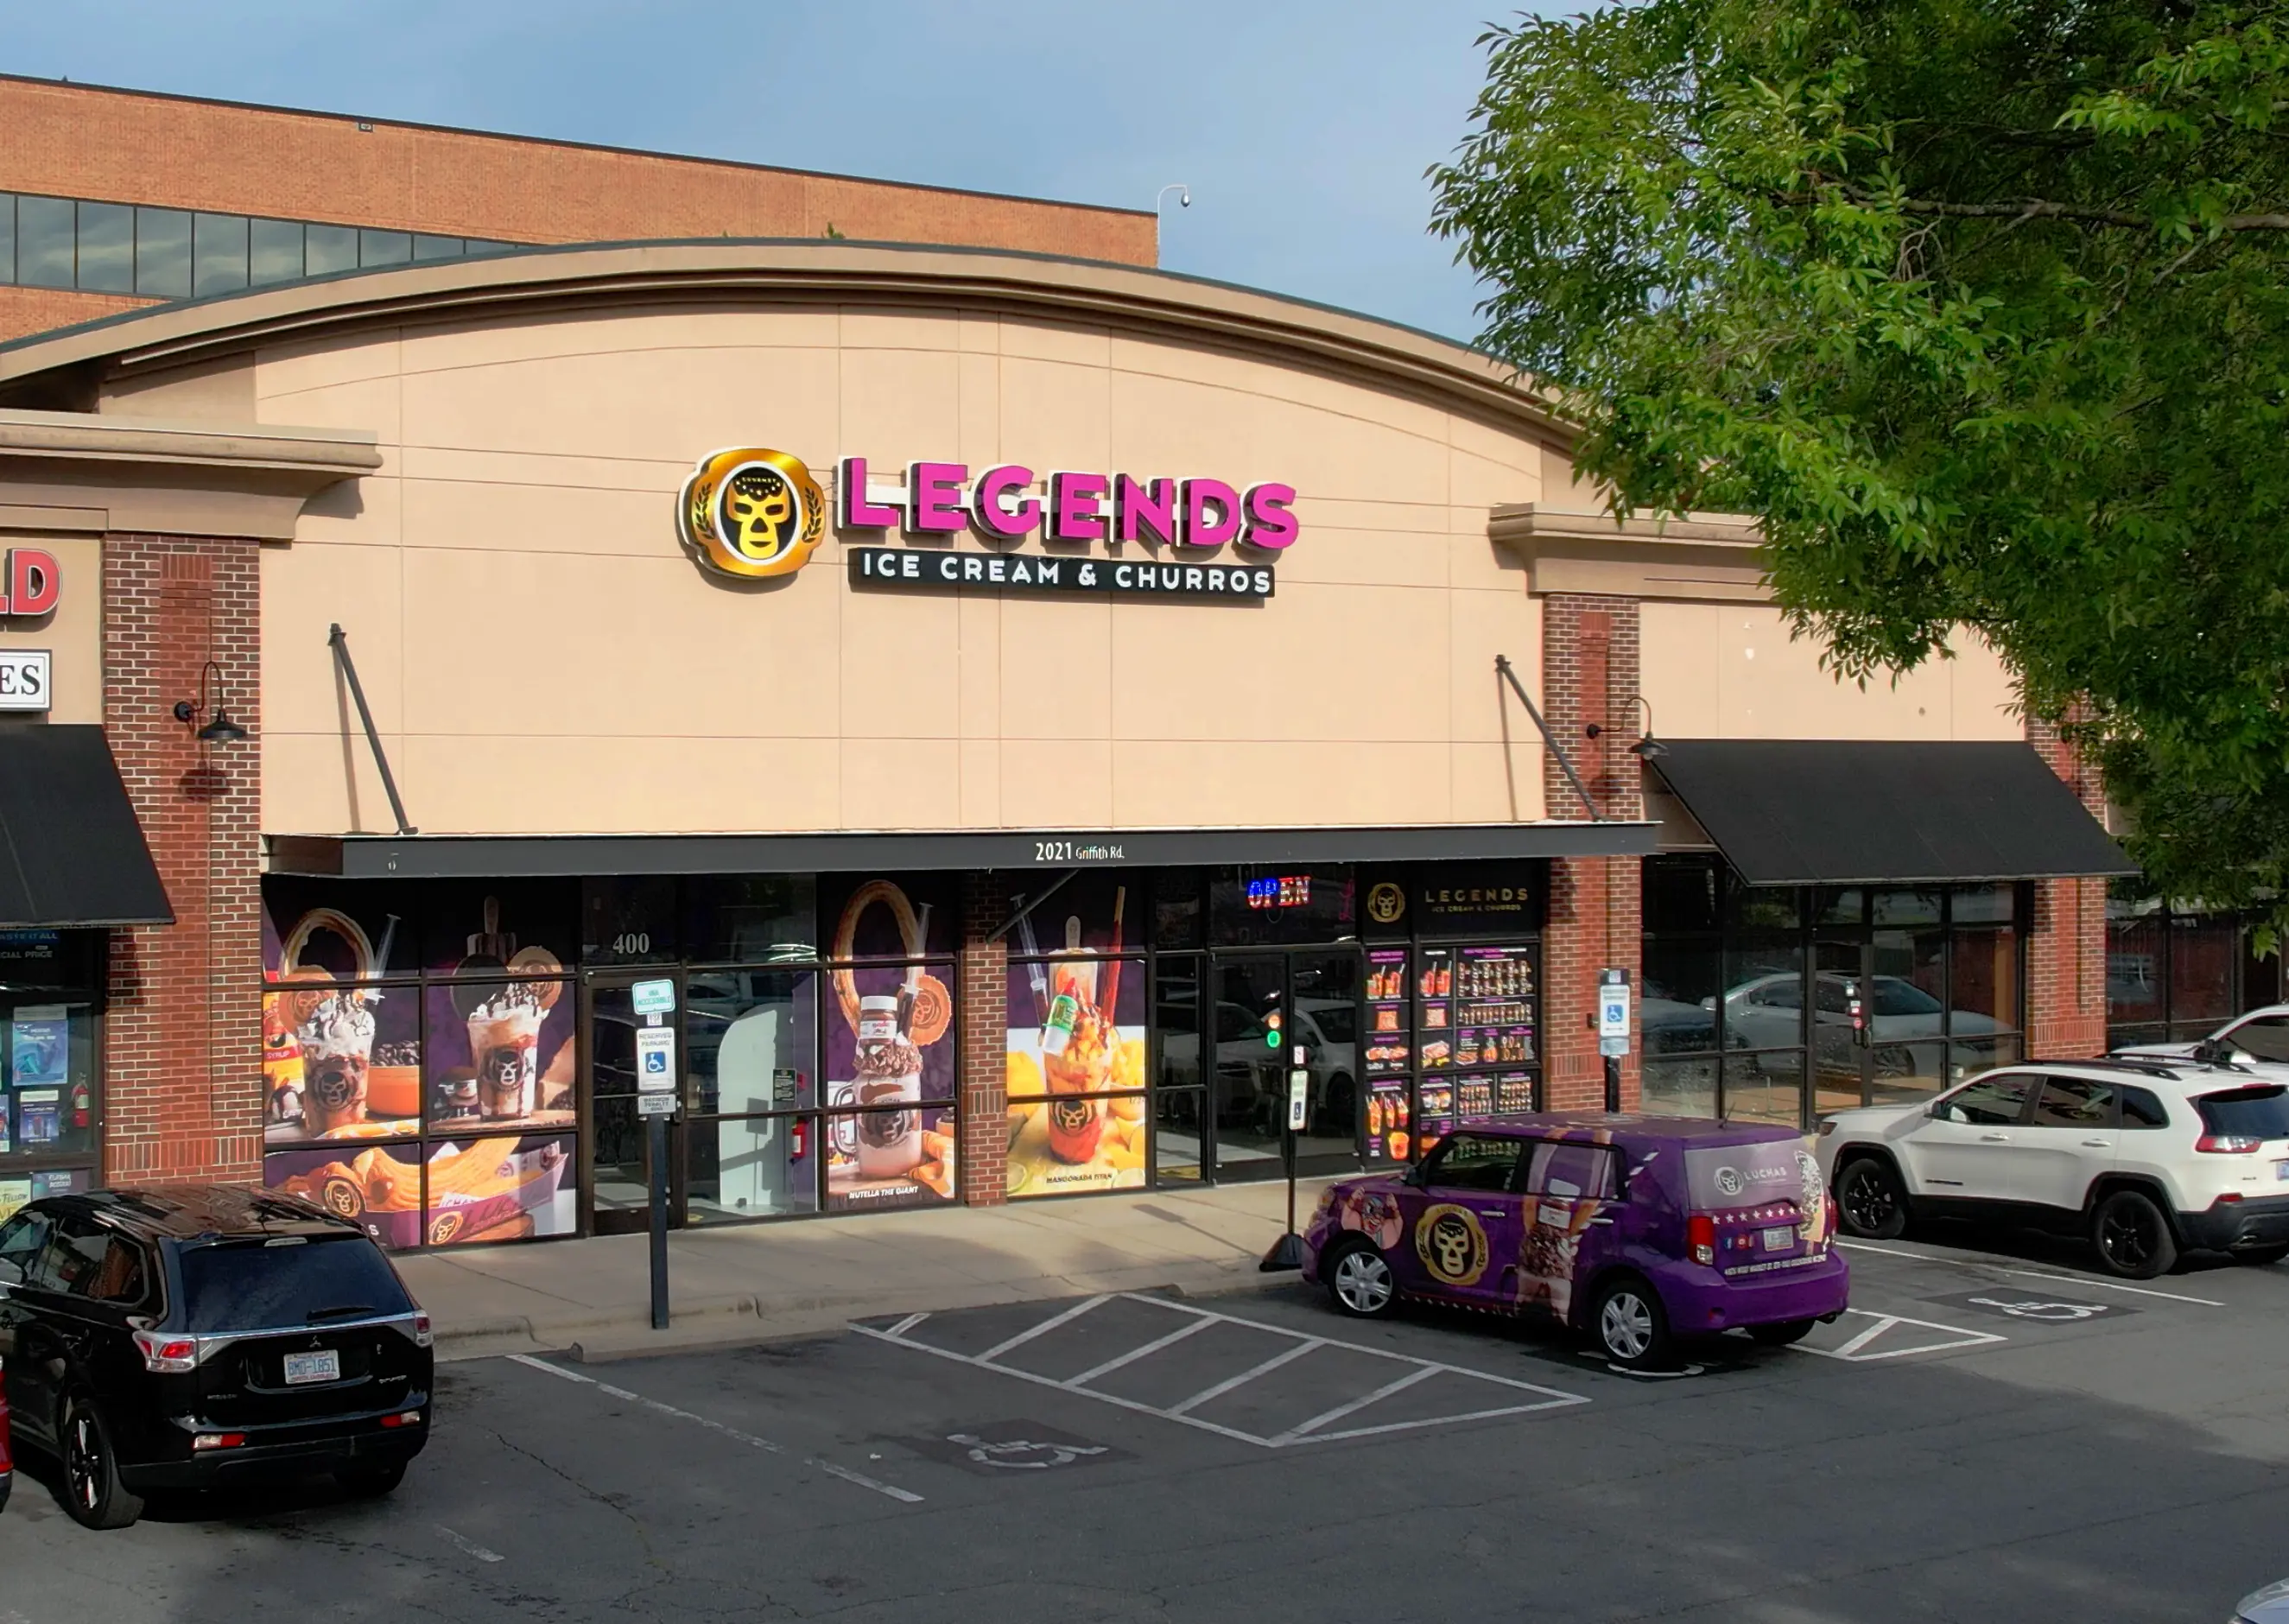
x=889 y=1093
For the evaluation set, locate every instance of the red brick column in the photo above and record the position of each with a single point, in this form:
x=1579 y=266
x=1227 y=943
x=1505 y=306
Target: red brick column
x=2066 y=949
x=983 y=1013
x=1589 y=674
x=183 y=1034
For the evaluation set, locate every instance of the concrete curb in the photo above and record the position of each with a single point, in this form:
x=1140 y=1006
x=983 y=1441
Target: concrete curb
x=746 y=1320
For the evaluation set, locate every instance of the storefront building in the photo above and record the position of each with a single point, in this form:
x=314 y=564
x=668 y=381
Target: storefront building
x=1050 y=724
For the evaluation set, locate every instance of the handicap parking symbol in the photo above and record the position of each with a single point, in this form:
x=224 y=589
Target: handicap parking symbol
x=2043 y=1310
x=655 y=1062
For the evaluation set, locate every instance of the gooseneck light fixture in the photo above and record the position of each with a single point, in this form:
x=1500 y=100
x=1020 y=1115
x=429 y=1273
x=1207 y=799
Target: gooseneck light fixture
x=1647 y=746
x=218 y=728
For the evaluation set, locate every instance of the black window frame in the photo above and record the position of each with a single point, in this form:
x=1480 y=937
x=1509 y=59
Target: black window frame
x=1442 y=1153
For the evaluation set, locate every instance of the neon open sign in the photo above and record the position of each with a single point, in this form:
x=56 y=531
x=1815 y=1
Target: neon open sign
x=1280 y=891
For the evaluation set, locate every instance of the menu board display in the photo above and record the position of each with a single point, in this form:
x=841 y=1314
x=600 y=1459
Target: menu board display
x=1389 y=1048
x=1388 y=1115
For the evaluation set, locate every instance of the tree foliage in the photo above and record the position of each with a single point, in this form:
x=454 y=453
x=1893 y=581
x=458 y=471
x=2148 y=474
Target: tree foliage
x=1982 y=305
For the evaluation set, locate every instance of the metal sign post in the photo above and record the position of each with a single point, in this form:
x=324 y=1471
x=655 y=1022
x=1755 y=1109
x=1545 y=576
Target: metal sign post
x=656 y=1095
x=1288 y=1250
x=1613 y=1030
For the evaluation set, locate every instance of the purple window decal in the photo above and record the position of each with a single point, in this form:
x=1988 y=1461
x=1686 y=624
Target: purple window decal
x=987 y=502
x=856 y=512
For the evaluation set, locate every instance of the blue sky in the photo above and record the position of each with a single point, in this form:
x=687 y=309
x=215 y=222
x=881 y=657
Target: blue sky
x=1301 y=129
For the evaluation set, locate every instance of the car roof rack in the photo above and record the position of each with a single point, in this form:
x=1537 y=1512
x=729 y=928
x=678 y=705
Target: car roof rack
x=2170 y=1070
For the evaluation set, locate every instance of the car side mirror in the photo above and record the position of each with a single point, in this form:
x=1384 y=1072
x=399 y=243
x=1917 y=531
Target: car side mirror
x=1709 y=1004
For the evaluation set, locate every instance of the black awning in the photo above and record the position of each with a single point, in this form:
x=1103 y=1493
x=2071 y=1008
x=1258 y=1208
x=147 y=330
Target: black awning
x=856 y=851
x=71 y=852
x=1858 y=812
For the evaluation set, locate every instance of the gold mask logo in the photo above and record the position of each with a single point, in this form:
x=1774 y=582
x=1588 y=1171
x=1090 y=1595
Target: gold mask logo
x=751 y=514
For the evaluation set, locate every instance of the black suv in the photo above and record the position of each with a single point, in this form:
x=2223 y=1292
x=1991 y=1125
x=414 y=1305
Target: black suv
x=165 y=1339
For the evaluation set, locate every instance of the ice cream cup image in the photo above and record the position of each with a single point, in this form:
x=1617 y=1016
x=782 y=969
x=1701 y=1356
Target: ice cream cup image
x=335 y=1033
x=890 y=1126
x=504 y=1046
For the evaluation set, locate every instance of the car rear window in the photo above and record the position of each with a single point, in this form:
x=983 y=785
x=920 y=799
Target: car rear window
x=2246 y=1113
x=257 y=1286
x=1722 y=1178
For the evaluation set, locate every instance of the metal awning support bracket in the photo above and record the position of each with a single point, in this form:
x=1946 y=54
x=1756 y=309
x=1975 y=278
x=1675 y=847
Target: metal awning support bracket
x=338 y=641
x=1501 y=665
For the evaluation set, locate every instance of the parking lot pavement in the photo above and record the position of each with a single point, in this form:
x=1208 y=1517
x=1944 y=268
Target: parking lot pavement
x=2036 y=1442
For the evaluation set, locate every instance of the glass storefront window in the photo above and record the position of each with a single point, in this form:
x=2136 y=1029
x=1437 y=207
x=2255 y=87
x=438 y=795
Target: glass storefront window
x=1261 y=906
x=1681 y=1088
x=750 y=917
x=1996 y=904
x=1832 y=906
x=1681 y=892
x=2202 y=952
x=1908 y=907
x=1984 y=979
x=629 y=920
x=751 y=1040
x=1764 y=995
x=751 y=1167
x=1969 y=1056
x=47 y=1056
x=1179 y=909
x=1767 y=1087
x=1678 y=997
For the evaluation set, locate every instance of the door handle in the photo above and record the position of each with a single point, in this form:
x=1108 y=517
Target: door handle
x=1493 y=1212
x=1994 y=1139
x=2098 y=1144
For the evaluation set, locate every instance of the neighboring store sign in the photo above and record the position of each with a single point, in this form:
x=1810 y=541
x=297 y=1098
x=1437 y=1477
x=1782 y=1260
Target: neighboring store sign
x=23 y=679
x=753 y=514
x=30 y=583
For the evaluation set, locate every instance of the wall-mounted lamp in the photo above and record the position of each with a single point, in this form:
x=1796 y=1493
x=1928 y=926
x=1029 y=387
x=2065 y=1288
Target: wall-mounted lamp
x=220 y=729
x=1646 y=747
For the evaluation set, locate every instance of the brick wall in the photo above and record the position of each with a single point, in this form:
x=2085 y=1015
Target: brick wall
x=982 y=1007
x=1589 y=674
x=2066 y=949
x=182 y=1038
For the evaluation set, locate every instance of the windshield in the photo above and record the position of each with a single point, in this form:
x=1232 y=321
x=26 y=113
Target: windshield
x=1338 y=1023
x=251 y=1286
x=1730 y=1176
x=2246 y=1113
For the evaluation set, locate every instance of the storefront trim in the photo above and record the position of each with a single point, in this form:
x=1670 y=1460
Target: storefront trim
x=516 y=857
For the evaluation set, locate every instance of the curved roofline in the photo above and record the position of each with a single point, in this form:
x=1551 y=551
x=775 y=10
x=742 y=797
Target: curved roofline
x=586 y=274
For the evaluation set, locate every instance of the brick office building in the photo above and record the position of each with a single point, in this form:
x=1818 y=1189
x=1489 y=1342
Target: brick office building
x=1077 y=702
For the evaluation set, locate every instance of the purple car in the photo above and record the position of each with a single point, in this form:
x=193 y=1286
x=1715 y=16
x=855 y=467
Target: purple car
x=1639 y=1230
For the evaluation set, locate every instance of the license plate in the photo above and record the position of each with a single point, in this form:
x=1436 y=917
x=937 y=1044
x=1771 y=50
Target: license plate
x=303 y=1369
x=2281 y=1170
x=1779 y=1240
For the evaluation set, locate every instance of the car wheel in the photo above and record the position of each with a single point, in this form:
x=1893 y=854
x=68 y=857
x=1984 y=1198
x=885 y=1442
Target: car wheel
x=371 y=1482
x=2132 y=1237
x=93 y=1493
x=1869 y=1201
x=1780 y=1333
x=2259 y=1256
x=1361 y=1284
x=1631 y=1327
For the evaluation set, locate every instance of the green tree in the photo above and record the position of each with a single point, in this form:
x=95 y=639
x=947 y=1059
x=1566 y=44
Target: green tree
x=1982 y=305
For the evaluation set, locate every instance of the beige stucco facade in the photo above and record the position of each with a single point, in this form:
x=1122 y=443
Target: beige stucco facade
x=542 y=655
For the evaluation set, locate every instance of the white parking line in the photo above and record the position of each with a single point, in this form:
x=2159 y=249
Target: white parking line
x=733 y=1433
x=2057 y=1280
x=468 y=1546
x=1200 y=1319
x=1853 y=1351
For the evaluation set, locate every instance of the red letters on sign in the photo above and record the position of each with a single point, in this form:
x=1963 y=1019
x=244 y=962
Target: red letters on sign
x=32 y=583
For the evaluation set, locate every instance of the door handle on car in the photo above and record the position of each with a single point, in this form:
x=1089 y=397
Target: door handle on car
x=1493 y=1212
x=1994 y=1139
x=2098 y=1144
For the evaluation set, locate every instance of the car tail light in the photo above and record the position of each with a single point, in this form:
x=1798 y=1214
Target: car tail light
x=1701 y=1238
x=410 y=1418
x=423 y=1335
x=218 y=1440
x=168 y=1355
x=2229 y=1144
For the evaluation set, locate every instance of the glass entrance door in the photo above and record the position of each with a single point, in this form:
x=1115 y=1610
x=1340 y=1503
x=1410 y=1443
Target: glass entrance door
x=1268 y=1006
x=1879 y=1034
x=620 y=1172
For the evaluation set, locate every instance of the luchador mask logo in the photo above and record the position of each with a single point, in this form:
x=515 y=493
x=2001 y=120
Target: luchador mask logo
x=751 y=514
x=1450 y=1243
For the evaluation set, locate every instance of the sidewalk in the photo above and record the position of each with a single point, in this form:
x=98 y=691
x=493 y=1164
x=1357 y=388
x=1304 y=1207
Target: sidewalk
x=761 y=1281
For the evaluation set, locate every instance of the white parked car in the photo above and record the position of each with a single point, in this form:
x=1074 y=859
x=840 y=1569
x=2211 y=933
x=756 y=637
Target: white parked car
x=2270 y=1605
x=2262 y=1034
x=2147 y=1157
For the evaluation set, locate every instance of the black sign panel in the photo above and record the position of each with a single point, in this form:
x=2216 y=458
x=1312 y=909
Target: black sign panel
x=926 y=568
x=1476 y=899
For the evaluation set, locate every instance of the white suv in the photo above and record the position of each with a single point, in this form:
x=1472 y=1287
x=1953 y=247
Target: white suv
x=2261 y=1035
x=2145 y=1157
